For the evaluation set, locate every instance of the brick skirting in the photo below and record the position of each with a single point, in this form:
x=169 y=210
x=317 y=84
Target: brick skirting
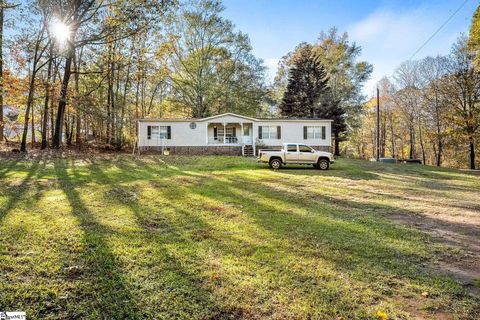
x=203 y=150
x=214 y=150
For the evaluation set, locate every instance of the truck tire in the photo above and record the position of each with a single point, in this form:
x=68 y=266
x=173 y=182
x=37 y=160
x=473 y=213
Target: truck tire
x=275 y=163
x=323 y=164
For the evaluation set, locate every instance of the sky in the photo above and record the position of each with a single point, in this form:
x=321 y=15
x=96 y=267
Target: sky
x=389 y=32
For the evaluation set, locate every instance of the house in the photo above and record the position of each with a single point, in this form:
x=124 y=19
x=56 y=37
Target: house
x=230 y=134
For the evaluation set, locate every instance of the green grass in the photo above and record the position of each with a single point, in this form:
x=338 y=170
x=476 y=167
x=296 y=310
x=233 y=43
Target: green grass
x=223 y=238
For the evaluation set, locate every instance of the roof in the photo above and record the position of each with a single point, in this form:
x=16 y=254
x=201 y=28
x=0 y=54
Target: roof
x=228 y=114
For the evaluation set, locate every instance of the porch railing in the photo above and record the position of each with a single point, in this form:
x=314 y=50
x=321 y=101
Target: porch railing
x=224 y=140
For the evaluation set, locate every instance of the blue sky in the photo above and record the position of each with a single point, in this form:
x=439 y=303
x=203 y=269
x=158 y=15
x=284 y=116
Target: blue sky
x=389 y=32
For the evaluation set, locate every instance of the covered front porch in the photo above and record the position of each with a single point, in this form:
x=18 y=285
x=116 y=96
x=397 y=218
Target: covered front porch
x=236 y=133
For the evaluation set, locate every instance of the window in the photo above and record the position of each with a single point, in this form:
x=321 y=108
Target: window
x=304 y=148
x=292 y=148
x=314 y=132
x=269 y=132
x=229 y=132
x=158 y=132
x=163 y=132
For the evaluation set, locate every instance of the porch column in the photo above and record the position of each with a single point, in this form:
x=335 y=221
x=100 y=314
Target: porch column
x=206 y=131
x=224 y=132
x=241 y=132
x=253 y=139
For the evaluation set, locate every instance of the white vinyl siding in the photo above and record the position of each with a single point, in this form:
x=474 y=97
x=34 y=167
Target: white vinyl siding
x=183 y=135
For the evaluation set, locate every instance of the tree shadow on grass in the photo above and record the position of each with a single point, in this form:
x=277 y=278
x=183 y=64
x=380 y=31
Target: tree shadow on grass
x=364 y=246
x=6 y=166
x=180 y=285
x=18 y=191
x=107 y=295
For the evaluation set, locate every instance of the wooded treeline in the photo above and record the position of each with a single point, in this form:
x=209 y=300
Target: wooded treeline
x=429 y=110
x=77 y=72
x=82 y=71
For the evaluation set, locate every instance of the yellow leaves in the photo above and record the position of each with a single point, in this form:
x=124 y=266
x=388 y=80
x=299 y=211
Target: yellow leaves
x=382 y=315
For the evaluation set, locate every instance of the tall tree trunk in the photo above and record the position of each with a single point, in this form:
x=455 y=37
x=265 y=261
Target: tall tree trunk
x=46 y=102
x=439 y=149
x=472 y=152
x=62 y=103
x=31 y=91
x=421 y=143
x=412 y=154
x=392 y=139
x=52 y=113
x=336 y=150
x=33 y=127
x=77 y=64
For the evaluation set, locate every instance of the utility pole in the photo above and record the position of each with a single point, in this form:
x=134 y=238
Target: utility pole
x=378 y=124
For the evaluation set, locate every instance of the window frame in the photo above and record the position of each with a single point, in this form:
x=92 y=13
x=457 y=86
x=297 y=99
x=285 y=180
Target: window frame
x=158 y=132
x=304 y=145
x=271 y=132
x=315 y=132
x=292 y=145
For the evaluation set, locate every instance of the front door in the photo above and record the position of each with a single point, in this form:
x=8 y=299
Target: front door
x=306 y=154
x=291 y=154
x=247 y=139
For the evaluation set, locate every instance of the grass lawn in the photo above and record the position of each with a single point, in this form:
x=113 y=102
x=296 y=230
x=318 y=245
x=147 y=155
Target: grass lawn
x=227 y=238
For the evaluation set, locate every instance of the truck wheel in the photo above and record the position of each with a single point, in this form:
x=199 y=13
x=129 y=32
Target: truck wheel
x=275 y=164
x=323 y=164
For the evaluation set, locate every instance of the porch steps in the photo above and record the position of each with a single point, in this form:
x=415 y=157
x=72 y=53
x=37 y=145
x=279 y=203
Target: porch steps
x=247 y=150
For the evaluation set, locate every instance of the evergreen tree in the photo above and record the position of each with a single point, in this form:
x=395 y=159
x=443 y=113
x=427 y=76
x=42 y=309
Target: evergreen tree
x=306 y=84
x=308 y=94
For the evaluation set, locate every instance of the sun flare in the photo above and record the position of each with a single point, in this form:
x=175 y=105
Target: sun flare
x=60 y=31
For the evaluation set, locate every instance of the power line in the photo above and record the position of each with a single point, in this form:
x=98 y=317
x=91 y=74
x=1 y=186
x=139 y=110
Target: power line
x=440 y=28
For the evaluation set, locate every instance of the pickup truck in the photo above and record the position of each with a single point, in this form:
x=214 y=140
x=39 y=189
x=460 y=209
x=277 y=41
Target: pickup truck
x=296 y=153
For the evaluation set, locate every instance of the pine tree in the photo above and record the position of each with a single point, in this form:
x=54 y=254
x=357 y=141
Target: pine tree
x=306 y=85
x=308 y=94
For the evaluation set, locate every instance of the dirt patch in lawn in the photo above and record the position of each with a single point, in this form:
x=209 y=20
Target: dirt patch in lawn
x=462 y=262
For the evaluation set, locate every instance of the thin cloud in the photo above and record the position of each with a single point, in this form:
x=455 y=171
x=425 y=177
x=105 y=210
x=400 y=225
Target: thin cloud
x=388 y=37
x=272 y=65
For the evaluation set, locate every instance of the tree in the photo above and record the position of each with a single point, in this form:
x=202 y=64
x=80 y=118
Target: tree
x=463 y=91
x=432 y=72
x=407 y=98
x=3 y=6
x=346 y=77
x=307 y=84
x=474 y=38
x=93 y=23
x=214 y=69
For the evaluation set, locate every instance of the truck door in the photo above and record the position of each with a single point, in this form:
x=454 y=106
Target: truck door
x=291 y=154
x=306 y=154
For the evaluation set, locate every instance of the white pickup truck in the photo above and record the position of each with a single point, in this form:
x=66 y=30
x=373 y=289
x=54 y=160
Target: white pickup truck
x=296 y=153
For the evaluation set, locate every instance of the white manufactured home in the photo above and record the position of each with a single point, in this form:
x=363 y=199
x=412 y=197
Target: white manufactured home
x=230 y=134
